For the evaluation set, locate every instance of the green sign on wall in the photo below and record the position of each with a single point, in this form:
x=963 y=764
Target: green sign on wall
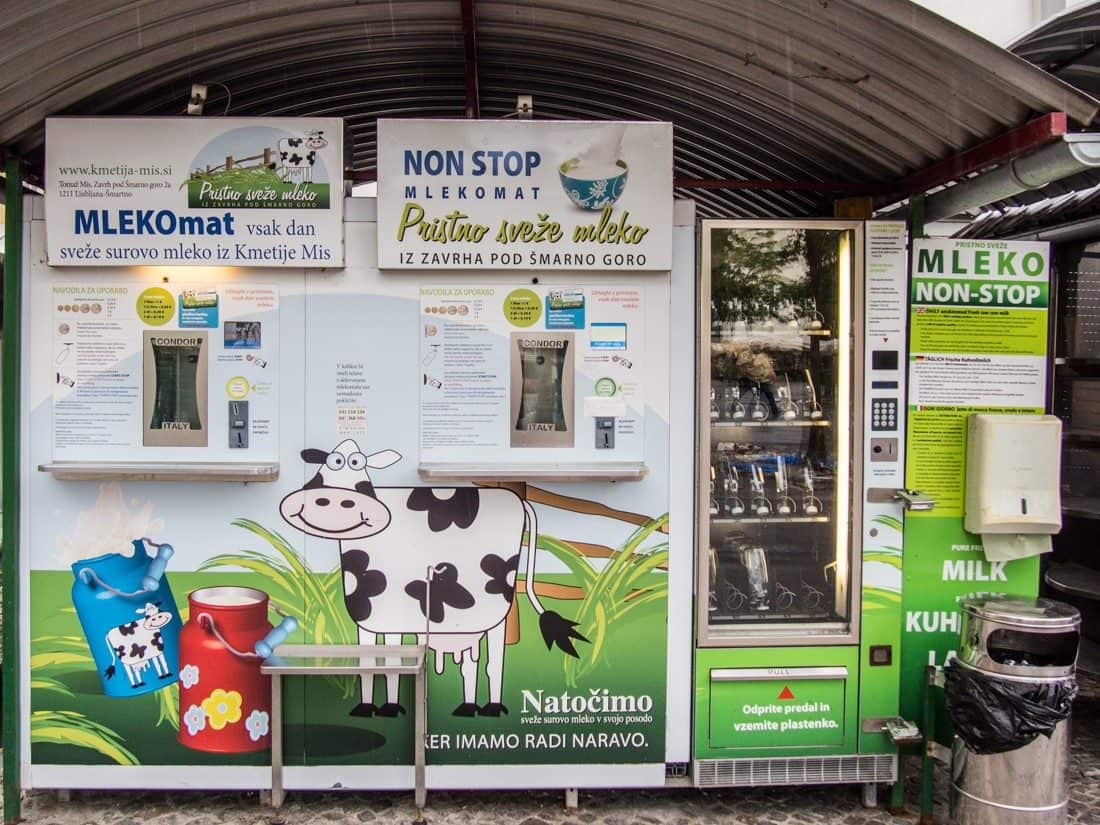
x=760 y=708
x=978 y=344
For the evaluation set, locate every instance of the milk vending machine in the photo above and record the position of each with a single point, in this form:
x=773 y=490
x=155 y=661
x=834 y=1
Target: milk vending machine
x=800 y=442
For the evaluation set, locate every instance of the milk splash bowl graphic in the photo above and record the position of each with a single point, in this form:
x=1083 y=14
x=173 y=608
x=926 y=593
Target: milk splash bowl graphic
x=596 y=177
x=593 y=185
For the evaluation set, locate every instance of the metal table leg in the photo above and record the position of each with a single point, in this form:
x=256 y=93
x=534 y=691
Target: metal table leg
x=897 y=790
x=419 y=736
x=276 y=742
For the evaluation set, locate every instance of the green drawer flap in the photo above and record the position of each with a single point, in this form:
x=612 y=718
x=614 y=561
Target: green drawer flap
x=776 y=708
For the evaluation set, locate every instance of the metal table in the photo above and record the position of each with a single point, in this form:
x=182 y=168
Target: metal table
x=346 y=660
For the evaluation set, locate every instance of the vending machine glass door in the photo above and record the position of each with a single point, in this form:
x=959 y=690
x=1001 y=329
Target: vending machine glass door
x=776 y=469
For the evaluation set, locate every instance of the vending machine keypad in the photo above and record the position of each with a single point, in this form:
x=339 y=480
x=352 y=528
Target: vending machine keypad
x=884 y=414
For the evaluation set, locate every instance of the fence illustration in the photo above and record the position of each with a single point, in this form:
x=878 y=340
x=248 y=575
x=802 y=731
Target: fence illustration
x=266 y=159
x=585 y=550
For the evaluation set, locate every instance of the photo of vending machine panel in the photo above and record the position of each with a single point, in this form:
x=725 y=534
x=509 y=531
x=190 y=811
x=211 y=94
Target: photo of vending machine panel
x=174 y=375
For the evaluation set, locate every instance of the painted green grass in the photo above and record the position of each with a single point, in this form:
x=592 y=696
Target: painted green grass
x=51 y=657
x=318 y=728
x=240 y=178
x=73 y=729
x=77 y=724
x=884 y=555
x=878 y=598
x=315 y=599
x=630 y=581
x=889 y=521
x=881 y=598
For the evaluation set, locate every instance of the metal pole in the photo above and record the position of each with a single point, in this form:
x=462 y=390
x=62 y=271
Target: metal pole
x=420 y=721
x=897 y=790
x=916 y=217
x=276 y=742
x=927 y=760
x=9 y=440
x=469 y=40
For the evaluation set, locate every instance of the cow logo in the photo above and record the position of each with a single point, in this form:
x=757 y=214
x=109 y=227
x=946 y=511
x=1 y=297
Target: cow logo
x=438 y=562
x=298 y=155
x=138 y=643
x=259 y=167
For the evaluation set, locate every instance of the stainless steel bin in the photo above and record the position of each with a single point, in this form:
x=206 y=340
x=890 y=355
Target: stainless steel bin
x=1019 y=640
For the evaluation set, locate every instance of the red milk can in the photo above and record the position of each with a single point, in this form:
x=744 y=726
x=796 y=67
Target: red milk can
x=225 y=702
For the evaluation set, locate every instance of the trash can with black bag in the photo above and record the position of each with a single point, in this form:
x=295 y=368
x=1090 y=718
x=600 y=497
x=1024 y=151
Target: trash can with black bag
x=1009 y=693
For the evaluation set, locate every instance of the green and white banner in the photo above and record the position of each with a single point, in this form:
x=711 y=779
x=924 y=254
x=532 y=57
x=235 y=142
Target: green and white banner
x=977 y=344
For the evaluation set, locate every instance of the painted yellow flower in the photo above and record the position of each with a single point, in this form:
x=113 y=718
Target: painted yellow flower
x=222 y=707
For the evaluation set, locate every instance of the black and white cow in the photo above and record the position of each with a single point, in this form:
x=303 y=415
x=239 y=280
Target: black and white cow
x=469 y=537
x=137 y=643
x=297 y=155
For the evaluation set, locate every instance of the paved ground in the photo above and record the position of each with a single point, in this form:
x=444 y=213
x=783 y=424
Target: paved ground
x=681 y=806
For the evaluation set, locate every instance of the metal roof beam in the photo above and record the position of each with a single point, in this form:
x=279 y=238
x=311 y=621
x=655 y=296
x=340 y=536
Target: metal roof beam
x=469 y=40
x=1055 y=161
x=1004 y=147
x=682 y=182
x=1011 y=144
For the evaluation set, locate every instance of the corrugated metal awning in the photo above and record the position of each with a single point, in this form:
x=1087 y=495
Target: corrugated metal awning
x=1067 y=46
x=1018 y=220
x=862 y=91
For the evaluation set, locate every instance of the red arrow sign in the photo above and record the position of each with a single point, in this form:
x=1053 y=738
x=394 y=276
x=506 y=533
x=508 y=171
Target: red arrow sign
x=786 y=693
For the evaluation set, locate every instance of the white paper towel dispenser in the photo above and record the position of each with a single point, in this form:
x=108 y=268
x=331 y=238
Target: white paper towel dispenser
x=1013 y=469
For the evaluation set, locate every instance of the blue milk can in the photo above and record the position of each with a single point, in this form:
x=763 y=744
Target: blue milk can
x=130 y=619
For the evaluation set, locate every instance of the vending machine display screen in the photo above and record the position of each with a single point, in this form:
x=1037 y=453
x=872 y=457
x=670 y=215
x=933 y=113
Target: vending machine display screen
x=175 y=379
x=542 y=390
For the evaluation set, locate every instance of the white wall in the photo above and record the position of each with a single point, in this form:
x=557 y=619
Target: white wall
x=1002 y=21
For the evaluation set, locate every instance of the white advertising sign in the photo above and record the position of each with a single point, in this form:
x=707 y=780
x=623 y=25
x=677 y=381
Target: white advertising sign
x=456 y=194
x=193 y=191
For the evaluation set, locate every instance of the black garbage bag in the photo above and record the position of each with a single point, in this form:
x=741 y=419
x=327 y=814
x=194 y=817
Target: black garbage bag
x=993 y=715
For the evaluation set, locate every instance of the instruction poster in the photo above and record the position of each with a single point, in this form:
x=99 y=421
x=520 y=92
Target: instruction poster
x=195 y=191
x=554 y=370
x=455 y=194
x=140 y=372
x=978 y=344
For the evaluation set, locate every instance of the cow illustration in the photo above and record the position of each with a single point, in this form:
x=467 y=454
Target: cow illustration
x=469 y=537
x=137 y=643
x=297 y=155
